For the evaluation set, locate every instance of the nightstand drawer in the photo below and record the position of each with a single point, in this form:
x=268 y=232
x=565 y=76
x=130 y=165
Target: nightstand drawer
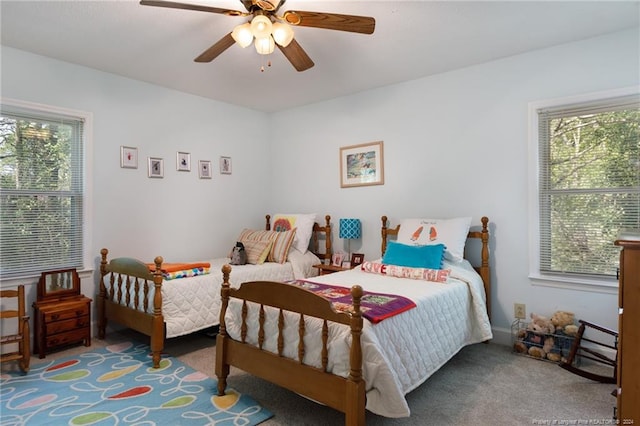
x=67 y=312
x=72 y=336
x=66 y=325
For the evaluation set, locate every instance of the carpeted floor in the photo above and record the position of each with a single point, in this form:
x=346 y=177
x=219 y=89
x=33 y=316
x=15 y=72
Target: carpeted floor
x=484 y=384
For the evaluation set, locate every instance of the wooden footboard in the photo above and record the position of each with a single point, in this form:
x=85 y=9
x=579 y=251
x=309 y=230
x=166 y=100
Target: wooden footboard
x=124 y=297
x=344 y=394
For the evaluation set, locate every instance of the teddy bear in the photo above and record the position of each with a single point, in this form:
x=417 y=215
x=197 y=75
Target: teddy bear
x=541 y=325
x=562 y=319
x=537 y=340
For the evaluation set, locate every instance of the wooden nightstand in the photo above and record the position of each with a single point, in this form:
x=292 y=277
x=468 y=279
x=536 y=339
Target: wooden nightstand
x=329 y=269
x=62 y=315
x=60 y=323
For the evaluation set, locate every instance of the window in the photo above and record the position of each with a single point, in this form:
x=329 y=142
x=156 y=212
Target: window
x=588 y=186
x=42 y=189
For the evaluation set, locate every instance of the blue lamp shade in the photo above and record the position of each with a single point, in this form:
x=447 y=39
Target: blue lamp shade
x=350 y=229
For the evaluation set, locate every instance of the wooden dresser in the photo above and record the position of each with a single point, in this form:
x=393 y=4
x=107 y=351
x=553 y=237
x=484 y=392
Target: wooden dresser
x=628 y=380
x=60 y=323
x=62 y=316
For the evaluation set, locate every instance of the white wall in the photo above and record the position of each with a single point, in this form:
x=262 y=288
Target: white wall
x=454 y=144
x=180 y=217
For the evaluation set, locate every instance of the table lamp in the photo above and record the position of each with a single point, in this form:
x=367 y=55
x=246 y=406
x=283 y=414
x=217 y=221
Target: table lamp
x=350 y=229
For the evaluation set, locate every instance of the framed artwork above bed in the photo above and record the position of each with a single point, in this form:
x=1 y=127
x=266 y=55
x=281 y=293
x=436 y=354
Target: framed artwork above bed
x=156 y=167
x=362 y=165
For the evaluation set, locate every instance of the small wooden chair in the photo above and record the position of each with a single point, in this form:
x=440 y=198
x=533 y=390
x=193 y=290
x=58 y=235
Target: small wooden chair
x=591 y=352
x=21 y=338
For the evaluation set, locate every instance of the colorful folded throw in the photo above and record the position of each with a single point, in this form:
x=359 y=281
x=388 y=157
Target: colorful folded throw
x=375 y=306
x=172 y=271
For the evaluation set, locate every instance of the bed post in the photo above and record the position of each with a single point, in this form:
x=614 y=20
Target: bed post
x=485 y=271
x=102 y=294
x=222 y=368
x=267 y=226
x=157 y=335
x=383 y=232
x=355 y=413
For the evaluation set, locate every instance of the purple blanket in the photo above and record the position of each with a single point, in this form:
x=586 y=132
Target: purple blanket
x=375 y=306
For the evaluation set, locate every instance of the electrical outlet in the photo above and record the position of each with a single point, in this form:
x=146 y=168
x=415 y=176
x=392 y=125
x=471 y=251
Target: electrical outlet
x=519 y=310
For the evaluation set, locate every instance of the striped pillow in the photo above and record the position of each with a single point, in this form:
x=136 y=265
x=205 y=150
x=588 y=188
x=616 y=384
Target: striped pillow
x=280 y=249
x=257 y=250
x=257 y=254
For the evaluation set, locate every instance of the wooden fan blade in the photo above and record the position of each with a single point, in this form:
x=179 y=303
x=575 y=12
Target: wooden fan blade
x=331 y=21
x=297 y=56
x=186 y=6
x=211 y=53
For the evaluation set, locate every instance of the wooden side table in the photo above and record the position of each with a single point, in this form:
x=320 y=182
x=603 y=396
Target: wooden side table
x=329 y=269
x=61 y=322
x=62 y=314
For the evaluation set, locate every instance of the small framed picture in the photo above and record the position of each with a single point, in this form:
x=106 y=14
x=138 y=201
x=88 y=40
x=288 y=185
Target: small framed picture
x=204 y=169
x=128 y=157
x=225 y=165
x=156 y=167
x=346 y=264
x=337 y=258
x=183 y=162
x=357 y=259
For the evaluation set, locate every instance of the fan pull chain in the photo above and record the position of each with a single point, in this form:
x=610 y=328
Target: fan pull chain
x=268 y=65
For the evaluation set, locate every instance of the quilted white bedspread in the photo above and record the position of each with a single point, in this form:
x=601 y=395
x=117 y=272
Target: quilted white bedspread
x=400 y=352
x=192 y=304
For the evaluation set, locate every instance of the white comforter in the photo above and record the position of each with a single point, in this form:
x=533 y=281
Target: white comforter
x=192 y=304
x=400 y=352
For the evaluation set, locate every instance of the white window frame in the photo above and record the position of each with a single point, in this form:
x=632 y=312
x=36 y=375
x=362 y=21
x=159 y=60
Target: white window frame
x=604 y=285
x=87 y=228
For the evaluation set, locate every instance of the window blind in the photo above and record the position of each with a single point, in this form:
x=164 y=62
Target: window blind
x=589 y=183
x=41 y=192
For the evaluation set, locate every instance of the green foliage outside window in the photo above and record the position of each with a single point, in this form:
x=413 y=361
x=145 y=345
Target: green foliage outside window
x=40 y=195
x=589 y=189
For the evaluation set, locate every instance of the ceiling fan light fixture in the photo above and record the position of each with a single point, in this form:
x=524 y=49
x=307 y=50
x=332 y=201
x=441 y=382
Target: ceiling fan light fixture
x=261 y=26
x=242 y=35
x=265 y=45
x=282 y=34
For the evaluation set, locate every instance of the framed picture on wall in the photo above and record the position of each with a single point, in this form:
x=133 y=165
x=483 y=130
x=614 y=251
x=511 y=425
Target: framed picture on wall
x=225 y=165
x=204 y=169
x=156 y=167
x=128 y=157
x=362 y=165
x=183 y=162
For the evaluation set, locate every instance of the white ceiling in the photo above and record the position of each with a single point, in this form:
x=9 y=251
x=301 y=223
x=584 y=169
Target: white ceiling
x=412 y=39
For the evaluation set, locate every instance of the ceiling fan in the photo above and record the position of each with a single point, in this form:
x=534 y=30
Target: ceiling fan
x=269 y=29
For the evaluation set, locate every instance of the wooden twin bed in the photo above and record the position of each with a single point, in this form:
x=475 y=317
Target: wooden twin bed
x=134 y=296
x=266 y=329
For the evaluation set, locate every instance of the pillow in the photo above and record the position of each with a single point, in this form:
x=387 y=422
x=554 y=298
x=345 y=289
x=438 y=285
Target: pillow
x=257 y=250
x=435 y=275
x=450 y=232
x=281 y=245
x=253 y=235
x=303 y=224
x=428 y=257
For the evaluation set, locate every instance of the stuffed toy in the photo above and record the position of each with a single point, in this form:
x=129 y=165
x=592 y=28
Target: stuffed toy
x=562 y=319
x=541 y=325
x=238 y=255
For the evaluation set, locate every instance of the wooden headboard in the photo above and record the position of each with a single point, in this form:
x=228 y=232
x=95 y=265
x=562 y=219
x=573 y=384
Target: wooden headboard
x=483 y=269
x=316 y=237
